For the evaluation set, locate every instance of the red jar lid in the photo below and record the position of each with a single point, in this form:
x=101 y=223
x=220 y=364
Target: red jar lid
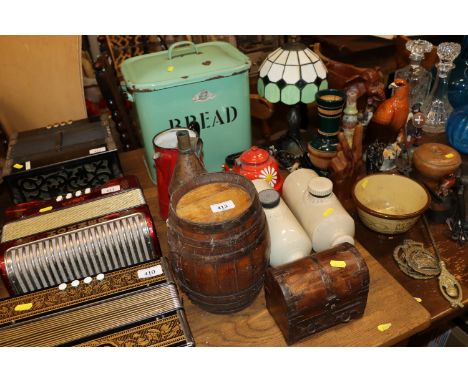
x=255 y=155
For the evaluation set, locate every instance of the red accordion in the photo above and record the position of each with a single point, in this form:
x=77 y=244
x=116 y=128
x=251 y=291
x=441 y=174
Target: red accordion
x=47 y=243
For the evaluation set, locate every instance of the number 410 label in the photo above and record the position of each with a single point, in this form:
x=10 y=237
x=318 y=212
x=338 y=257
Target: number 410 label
x=150 y=272
x=224 y=206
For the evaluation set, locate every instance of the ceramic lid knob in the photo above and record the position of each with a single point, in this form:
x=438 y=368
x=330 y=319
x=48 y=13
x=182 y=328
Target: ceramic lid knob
x=320 y=186
x=269 y=198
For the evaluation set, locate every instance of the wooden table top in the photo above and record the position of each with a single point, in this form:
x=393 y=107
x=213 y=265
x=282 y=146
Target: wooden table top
x=388 y=302
x=454 y=256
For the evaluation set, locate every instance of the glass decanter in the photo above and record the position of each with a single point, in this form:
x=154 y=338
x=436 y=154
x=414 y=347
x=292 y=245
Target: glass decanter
x=436 y=107
x=419 y=79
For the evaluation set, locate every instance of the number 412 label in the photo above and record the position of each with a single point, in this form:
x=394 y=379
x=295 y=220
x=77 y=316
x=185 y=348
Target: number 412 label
x=150 y=272
x=224 y=206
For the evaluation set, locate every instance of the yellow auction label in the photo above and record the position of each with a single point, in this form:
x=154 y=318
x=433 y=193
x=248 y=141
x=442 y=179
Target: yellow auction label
x=448 y=156
x=384 y=327
x=18 y=166
x=338 y=263
x=45 y=209
x=21 y=307
x=364 y=183
x=327 y=212
x=170 y=68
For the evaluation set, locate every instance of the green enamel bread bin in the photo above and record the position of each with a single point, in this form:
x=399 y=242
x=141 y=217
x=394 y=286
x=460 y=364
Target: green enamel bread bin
x=204 y=82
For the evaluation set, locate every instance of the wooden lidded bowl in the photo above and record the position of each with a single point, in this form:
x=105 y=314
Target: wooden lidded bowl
x=433 y=161
x=389 y=203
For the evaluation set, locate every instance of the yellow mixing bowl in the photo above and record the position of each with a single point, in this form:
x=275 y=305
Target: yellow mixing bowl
x=389 y=203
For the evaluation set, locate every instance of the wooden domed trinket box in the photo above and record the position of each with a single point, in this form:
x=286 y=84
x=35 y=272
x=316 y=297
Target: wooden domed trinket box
x=317 y=292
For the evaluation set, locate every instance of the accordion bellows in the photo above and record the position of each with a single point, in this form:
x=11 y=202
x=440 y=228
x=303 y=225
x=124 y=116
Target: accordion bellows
x=135 y=306
x=80 y=237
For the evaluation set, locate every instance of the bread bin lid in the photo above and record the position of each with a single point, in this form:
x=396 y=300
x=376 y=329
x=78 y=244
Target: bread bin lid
x=183 y=63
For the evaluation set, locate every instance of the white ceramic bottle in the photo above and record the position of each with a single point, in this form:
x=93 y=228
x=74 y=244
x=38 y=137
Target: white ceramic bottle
x=312 y=201
x=289 y=241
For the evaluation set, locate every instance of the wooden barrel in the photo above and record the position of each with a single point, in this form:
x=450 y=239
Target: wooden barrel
x=218 y=241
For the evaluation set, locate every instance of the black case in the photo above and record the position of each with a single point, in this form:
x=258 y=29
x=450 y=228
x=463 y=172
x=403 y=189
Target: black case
x=55 y=160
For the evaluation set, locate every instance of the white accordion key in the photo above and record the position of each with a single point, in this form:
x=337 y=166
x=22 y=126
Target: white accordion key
x=87 y=280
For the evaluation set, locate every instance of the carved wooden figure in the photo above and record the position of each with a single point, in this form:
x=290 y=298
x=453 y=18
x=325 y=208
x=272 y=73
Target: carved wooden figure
x=347 y=166
x=368 y=82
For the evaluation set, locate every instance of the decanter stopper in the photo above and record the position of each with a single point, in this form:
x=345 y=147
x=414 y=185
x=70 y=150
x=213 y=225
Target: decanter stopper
x=448 y=52
x=418 y=48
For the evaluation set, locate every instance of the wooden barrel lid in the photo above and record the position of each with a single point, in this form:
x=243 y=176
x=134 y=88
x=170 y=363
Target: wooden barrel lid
x=213 y=203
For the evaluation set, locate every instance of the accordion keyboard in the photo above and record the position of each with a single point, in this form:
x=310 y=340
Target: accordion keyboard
x=103 y=247
x=72 y=215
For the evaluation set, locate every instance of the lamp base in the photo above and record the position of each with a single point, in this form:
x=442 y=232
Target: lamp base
x=289 y=144
x=290 y=150
x=291 y=141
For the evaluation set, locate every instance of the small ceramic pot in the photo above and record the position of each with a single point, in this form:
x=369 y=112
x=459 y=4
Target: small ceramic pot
x=389 y=203
x=434 y=161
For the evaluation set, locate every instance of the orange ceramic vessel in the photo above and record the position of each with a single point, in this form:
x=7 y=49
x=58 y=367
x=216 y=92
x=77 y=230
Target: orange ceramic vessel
x=257 y=163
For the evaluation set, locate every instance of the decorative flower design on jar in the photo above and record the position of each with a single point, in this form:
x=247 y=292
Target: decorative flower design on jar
x=270 y=175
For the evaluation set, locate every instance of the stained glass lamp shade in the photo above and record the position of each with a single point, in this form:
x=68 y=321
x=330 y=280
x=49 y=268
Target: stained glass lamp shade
x=292 y=75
